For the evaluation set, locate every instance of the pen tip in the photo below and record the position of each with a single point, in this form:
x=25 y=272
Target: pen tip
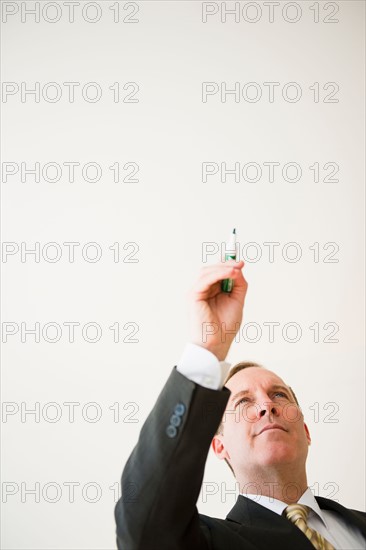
x=234 y=230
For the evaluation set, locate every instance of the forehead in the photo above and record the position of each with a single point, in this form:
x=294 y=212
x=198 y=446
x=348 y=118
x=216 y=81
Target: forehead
x=253 y=378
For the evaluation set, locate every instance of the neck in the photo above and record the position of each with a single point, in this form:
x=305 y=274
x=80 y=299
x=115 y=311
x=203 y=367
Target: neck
x=285 y=484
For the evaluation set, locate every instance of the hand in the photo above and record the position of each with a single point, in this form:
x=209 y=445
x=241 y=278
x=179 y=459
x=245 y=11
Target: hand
x=212 y=312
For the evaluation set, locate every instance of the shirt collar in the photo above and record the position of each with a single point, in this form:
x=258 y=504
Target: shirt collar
x=308 y=499
x=277 y=506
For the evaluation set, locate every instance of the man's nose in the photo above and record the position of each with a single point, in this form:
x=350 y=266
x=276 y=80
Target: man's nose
x=269 y=408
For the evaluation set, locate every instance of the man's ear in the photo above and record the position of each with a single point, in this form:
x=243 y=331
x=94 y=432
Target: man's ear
x=219 y=448
x=307 y=434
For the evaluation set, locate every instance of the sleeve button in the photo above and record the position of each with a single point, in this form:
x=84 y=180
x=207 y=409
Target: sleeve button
x=179 y=409
x=171 y=431
x=175 y=420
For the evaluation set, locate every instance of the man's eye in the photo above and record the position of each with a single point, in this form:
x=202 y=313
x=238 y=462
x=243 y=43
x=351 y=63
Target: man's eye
x=281 y=394
x=243 y=400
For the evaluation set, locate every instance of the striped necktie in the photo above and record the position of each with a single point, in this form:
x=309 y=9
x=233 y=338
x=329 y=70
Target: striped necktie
x=298 y=514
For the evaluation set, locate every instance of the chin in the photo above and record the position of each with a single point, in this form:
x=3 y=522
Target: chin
x=279 y=454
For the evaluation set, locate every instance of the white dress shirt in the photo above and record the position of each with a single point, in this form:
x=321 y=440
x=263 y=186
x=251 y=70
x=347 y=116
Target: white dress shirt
x=203 y=367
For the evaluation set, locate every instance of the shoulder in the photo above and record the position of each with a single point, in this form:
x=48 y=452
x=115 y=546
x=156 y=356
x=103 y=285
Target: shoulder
x=211 y=524
x=357 y=517
x=328 y=504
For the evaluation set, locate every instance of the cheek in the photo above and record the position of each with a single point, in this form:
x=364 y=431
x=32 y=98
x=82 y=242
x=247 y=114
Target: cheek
x=291 y=414
x=299 y=438
x=250 y=413
x=238 y=433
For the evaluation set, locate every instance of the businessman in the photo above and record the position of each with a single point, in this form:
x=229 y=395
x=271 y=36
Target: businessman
x=252 y=420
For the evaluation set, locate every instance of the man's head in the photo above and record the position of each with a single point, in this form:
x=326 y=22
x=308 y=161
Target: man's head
x=263 y=427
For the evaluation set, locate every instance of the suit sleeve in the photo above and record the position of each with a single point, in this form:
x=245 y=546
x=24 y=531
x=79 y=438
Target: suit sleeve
x=162 y=478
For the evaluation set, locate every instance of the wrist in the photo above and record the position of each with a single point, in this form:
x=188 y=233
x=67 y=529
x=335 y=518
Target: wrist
x=220 y=352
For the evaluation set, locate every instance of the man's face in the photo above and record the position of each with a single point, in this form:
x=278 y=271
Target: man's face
x=263 y=428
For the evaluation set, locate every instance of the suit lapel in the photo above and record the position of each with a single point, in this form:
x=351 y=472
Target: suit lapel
x=352 y=516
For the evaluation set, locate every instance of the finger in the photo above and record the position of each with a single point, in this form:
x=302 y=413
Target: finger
x=239 y=264
x=220 y=269
x=240 y=286
x=217 y=274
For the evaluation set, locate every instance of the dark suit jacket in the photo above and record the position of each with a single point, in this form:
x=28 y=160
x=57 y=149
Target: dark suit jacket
x=163 y=476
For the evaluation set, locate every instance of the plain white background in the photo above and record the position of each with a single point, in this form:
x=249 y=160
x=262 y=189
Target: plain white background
x=169 y=213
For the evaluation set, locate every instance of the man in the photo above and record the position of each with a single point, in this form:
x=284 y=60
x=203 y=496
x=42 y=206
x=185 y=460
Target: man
x=262 y=437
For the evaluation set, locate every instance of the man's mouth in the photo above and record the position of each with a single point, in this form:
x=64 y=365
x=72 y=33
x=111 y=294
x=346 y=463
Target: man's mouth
x=272 y=427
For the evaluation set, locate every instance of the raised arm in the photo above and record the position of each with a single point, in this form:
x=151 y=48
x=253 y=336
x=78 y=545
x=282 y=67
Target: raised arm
x=163 y=475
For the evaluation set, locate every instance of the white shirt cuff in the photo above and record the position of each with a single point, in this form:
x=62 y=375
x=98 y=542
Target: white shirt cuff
x=201 y=366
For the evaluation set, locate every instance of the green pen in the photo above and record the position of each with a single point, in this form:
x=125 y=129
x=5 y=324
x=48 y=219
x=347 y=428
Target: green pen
x=230 y=254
